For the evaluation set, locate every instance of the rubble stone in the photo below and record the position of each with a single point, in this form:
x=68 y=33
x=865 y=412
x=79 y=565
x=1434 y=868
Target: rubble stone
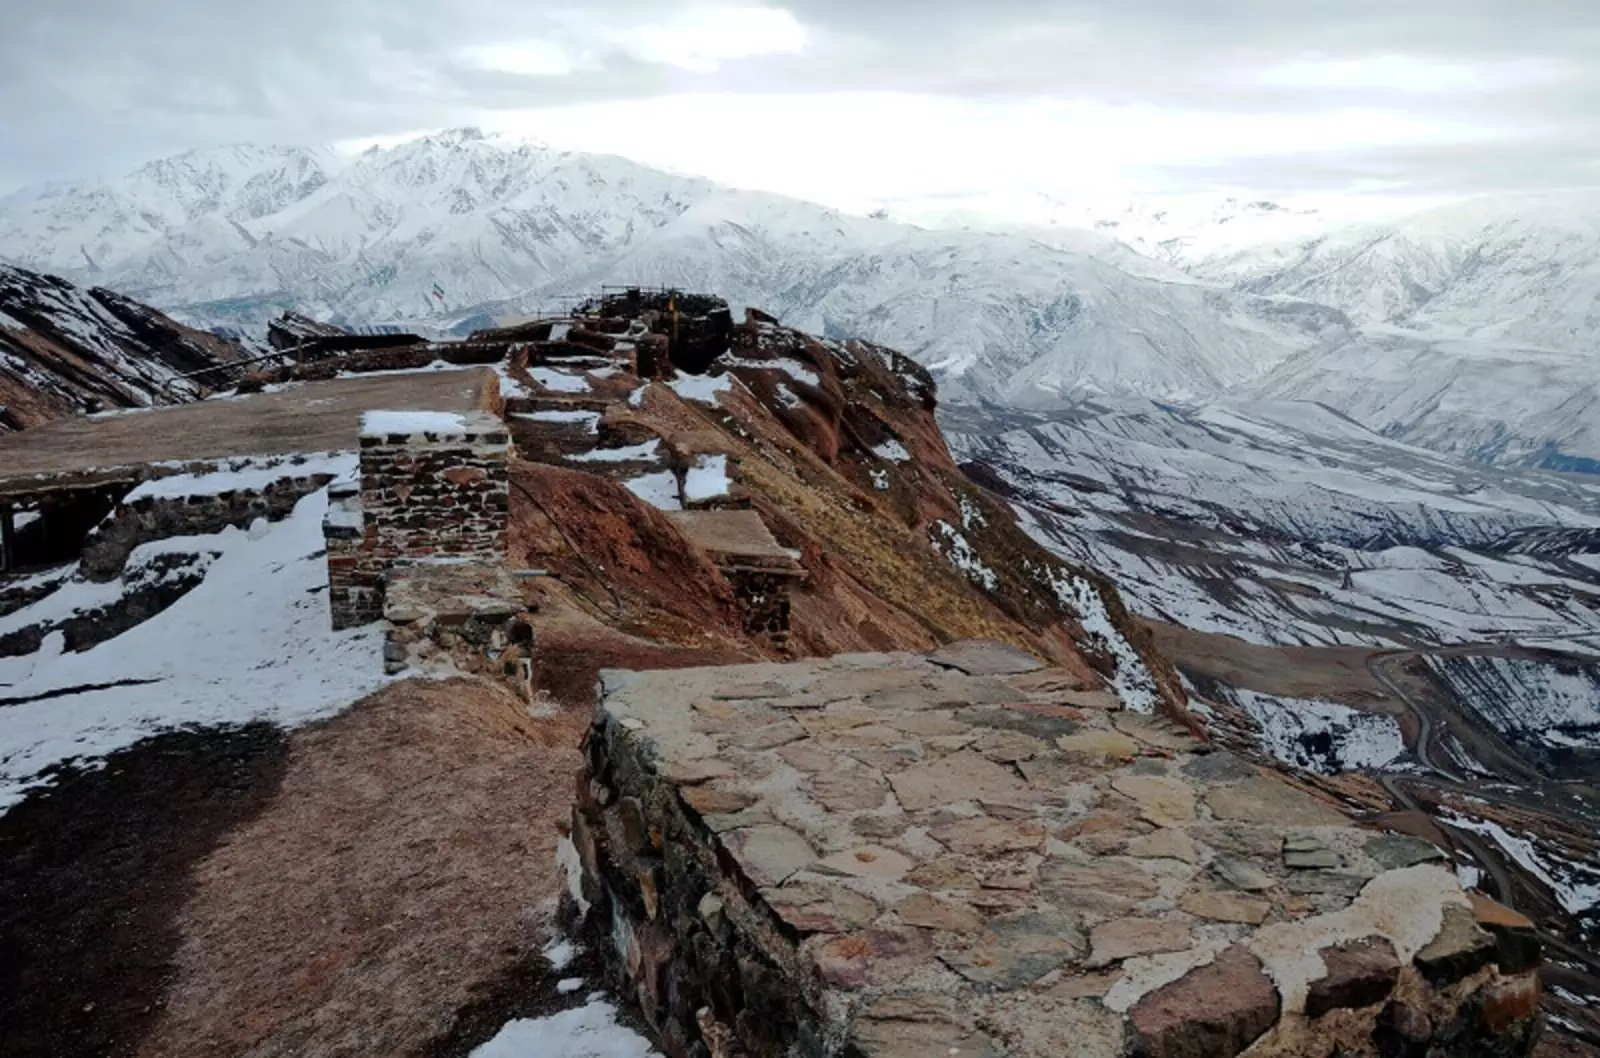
x=1459 y=950
x=1215 y=1011
x=1360 y=973
x=1018 y=949
x=1225 y=907
x=1097 y=746
x=1262 y=801
x=1517 y=944
x=932 y=912
x=962 y=776
x=985 y=657
x=984 y=836
x=867 y=861
x=1168 y=843
x=1161 y=801
x=1123 y=938
x=768 y=855
x=1393 y=851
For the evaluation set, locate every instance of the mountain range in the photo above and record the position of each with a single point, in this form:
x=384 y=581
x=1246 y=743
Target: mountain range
x=1466 y=329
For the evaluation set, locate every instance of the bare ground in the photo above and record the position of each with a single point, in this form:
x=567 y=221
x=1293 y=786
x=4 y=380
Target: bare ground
x=406 y=862
x=1335 y=673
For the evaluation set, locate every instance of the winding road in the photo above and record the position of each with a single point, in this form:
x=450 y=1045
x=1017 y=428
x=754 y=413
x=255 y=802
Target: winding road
x=1500 y=879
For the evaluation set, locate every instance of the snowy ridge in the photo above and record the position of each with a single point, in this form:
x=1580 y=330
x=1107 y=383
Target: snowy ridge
x=1550 y=704
x=1289 y=524
x=1319 y=735
x=504 y=228
x=66 y=350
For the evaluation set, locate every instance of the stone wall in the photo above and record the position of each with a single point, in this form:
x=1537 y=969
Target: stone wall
x=458 y=617
x=433 y=486
x=143 y=518
x=958 y=854
x=355 y=588
x=763 y=596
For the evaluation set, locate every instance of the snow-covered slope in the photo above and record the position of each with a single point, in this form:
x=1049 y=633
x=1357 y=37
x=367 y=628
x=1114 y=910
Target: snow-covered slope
x=1419 y=328
x=228 y=236
x=1479 y=323
x=999 y=316
x=249 y=641
x=1493 y=403
x=1288 y=523
x=1522 y=270
x=65 y=350
x=458 y=226
x=1177 y=230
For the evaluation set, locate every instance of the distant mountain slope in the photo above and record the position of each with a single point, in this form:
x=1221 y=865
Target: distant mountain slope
x=1492 y=403
x=65 y=350
x=1470 y=328
x=457 y=226
x=1288 y=523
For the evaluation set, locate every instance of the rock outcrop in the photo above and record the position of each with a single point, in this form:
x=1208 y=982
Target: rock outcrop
x=65 y=350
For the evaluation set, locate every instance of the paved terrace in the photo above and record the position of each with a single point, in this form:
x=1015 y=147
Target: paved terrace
x=970 y=855
x=314 y=417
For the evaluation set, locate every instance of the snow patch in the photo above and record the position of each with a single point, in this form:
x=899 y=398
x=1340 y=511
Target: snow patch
x=1575 y=888
x=701 y=389
x=376 y=423
x=788 y=365
x=659 y=490
x=559 y=381
x=707 y=479
x=250 y=642
x=589 y=1031
x=638 y=453
x=244 y=475
x=892 y=450
x=1319 y=735
x=590 y=420
x=961 y=554
x=560 y=954
x=1132 y=681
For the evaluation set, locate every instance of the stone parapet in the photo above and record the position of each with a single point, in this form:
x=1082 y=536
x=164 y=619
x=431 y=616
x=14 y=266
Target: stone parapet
x=964 y=854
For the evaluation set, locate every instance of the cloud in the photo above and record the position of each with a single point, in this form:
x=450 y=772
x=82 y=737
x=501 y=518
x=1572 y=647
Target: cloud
x=1415 y=90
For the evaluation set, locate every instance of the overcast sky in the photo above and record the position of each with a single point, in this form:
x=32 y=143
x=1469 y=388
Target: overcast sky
x=845 y=101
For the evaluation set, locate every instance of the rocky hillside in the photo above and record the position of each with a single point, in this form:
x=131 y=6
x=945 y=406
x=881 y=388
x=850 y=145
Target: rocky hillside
x=65 y=351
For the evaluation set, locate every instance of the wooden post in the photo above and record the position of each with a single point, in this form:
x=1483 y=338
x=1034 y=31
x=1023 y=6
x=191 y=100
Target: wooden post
x=8 y=539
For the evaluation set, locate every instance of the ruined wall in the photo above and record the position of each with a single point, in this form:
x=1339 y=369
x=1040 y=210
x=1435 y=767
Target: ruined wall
x=355 y=589
x=433 y=486
x=161 y=510
x=763 y=596
x=458 y=617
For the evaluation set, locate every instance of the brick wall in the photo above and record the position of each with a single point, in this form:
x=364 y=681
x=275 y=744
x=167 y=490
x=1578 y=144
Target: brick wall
x=432 y=486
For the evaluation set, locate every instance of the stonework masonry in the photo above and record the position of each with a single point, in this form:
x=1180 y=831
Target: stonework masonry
x=970 y=855
x=433 y=486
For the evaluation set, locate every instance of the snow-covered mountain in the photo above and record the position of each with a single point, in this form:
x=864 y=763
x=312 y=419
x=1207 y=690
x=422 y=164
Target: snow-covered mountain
x=458 y=225
x=1468 y=328
x=1479 y=325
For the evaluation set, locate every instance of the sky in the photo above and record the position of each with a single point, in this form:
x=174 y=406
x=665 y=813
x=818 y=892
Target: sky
x=848 y=102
